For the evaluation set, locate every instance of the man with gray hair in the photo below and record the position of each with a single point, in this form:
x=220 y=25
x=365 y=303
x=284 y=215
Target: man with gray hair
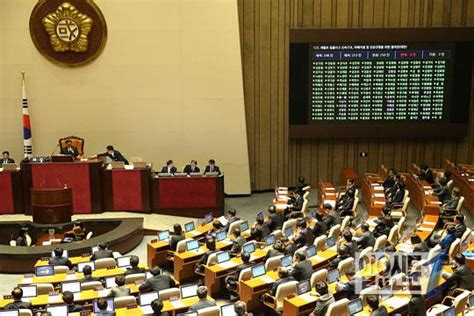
x=240 y=309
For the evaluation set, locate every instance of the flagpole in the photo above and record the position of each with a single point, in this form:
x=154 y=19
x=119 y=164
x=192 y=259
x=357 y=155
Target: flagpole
x=27 y=141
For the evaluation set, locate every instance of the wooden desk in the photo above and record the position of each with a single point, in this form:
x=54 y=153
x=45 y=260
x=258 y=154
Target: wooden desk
x=421 y=195
x=326 y=194
x=11 y=193
x=373 y=194
x=465 y=182
x=74 y=261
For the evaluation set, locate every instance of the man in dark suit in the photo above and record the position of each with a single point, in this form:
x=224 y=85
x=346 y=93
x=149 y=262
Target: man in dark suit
x=169 y=168
x=442 y=191
x=303 y=269
x=449 y=207
x=323 y=300
x=232 y=217
x=238 y=242
x=192 y=167
x=460 y=226
x=426 y=173
x=305 y=235
x=462 y=275
x=350 y=187
x=177 y=237
x=350 y=243
x=102 y=305
x=342 y=254
x=6 y=158
x=134 y=269
x=103 y=252
x=68 y=298
x=231 y=280
x=120 y=290
x=397 y=195
x=59 y=260
x=345 y=208
x=70 y=150
x=276 y=219
x=389 y=182
x=159 y=281
x=211 y=167
x=157 y=307
x=87 y=271
x=366 y=239
x=203 y=301
x=17 y=295
x=320 y=228
x=283 y=278
x=332 y=218
x=376 y=310
x=114 y=155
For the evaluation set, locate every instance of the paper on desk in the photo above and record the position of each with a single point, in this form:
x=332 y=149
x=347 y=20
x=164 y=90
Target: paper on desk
x=436 y=202
x=103 y=292
x=77 y=296
x=222 y=220
x=395 y=301
x=267 y=279
x=379 y=202
x=425 y=229
x=429 y=223
x=227 y=264
x=47 y=243
x=27 y=280
x=330 y=193
x=147 y=310
x=379 y=195
x=54 y=299
x=318 y=258
x=177 y=304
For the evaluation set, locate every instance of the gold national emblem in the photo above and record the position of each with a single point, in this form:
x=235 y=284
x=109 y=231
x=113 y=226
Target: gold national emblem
x=68 y=29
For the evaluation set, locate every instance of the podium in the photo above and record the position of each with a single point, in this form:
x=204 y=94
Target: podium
x=51 y=206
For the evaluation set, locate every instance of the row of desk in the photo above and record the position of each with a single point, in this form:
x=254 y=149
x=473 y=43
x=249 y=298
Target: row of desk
x=97 y=189
x=463 y=178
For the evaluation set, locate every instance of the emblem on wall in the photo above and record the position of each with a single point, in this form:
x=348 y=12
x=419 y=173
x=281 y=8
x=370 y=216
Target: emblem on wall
x=68 y=32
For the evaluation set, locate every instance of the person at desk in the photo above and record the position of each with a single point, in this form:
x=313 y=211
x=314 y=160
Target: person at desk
x=17 y=294
x=231 y=217
x=348 y=288
x=323 y=300
x=450 y=206
x=58 y=259
x=192 y=167
x=284 y=277
x=460 y=226
x=240 y=309
x=418 y=244
x=114 y=155
x=366 y=239
x=169 y=168
x=305 y=235
x=260 y=229
x=397 y=195
x=157 y=307
x=134 y=269
x=231 y=281
x=342 y=254
x=389 y=182
x=345 y=209
x=70 y=150
x=446 y=242
x=238 y=242
x=375 y=308
x=203 y=301
x=102 y=306
x=277 y=249
x=442 y=191
x=211 y=248
x=303 y=268
x=320 y=228
x=276 y=219
x=103 y=252
x=350 y=243
x=177 y=237
x=332 y=217
x=211 y=167
x=159 y=281
x=120 y=290
x=68 y=298
x=462 y=275
x=87 y=271
x=6 y=158
x=350 y=186
x=426 y=174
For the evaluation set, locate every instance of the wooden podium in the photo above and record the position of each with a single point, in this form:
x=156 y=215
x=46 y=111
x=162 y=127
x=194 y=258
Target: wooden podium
x=51 y=206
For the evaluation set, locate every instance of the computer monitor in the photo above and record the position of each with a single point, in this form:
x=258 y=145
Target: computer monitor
x=164 y=235
x=449 y=312
x=192 y=245
x=228 y=310
x=471 y=301
x=221 y=235
x=64 y=255
x=123 y=262
x=110 y=305
x=74 y=287
x=10 y=313
x=333 y=275
x=270 y=240
x=189 y=227
x=355 y=306
x=208 y=218
x=288 y=231
x=258 y=271
x=249 y=247
x=57 y=310
x=223 y=257
x=286 y=261
x=386 y=292
x=311 y=251
x=303 y=287
x=188 y=290
x=44 y=270
x=81 y=265
x=110 y=282
x=29 y=291
x=147 y=298
x=330 y=242
x=244 y=226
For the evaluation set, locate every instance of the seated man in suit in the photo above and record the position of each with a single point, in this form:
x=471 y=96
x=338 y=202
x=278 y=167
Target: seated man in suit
x=103 y=252
x=375 y=308
x=303 y=268
x=59 y=260
x=240 y=309
x=462 y=275
x=6 y=158
x=345 y=209
x=389 y=182
x=450 y=206
x=192 y=167
x=231 y=281
x=211 y=248
x=342 y=254
x=70 y=150
x=17 y=303
x=177 y=236
x=231 y=217
x=350 y=243
x=157 y=307
x=134 y=261
x=169 y=168
x=211 y=167
x=87 y=271
x=260 y=229
x=442 y=191
x=238 y=242
x=276 y=218
x=277 y=249
x=114 y=155
x=305 y=235
x=417 y=303
x=203 y=301
x=350 y=186
x=284 y=277
x=320 y=228
x=460 y=226
x=68 y=298
x=102 y=305
x=120 y=290
x=426 y=173
x=366 y=239
x=397 y=195
x=332 y=217
x=159 y=281
x=324 y=299
x=352 y=286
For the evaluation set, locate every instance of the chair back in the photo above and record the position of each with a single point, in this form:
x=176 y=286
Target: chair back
x=92 y=285
x=338 y=308
x=380 y=242
x=306 y=189
x=345 y=265
x=25 y=312
x=132 y=278
x=319 y=275
x=406 y=194
x=209 y=311
x=466 y=237
x=450 y=185
x=89 y=235
x=273 y=263
x=454 y=248
x=234 y=225
x=245 y=274
x=460 y=301
x=305 y=194
x=393 y=235
x=60 y=269
x=371 y=290
x=44 y=288
x=356 y=193
x=304 y=207
x=436 y=250
x=397 y=281
x=181 y=245
x=335 y=231
x=366 y=253
x=166 y=294
x=29 y=241
x=212 y=259
x=290 y=223
x=283 y=290
x=320 y=242
x=124 y=301
x=461 y=201
x=75 y=142
x=345 y=222
x=104 y=263
x=400 y=224
x=354 y=206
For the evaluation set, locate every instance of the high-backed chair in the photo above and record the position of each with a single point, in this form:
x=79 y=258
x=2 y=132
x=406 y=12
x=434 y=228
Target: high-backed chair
x=29 y=241
x=319 y=275
x=132 y=278
x=371 y=290
x=234 y=225
x=466 y=237
x=335 y=231
x=397 y=281
x=459 y=302
x=44 y=288
x=105 y=263
x=181 y=245
x=393 y=235
x=124 y=301
x=25 y=312
x=89 y=235
x=454 y=248
x=165 y=295
x=320 y=242
x=338 y=308
x=306 y=188
x=365 y=254
x=244 y=275
x=212 y=259
x=273 y=263
x=209 y=311
x=290 y=223
x=450 y=185
x=380 y=242
x=398 y=212
x=75 y=142
x=60 y=269
x=304 y=207
x=354 y=206
x=345 y=265
x=400 y=224
x=283 y=290
x=436 y=250
x=345 y=222
x=92 y=285
x=460 y=203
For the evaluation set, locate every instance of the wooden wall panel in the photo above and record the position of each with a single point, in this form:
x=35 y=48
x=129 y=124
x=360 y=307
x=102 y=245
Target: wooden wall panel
x=277 y=160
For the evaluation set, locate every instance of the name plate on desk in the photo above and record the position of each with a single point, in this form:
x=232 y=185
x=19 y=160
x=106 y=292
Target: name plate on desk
x=9 y=167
